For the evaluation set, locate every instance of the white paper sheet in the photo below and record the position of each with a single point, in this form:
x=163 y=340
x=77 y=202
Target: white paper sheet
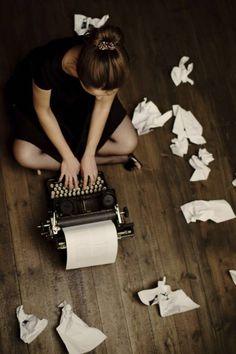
x=82 y=23
x=215 y=210
x=91 y=244
x=205 y=156
x=201 y=170
x=176 y=302
x=30 y=325
x=233 y=275
x=179 y=146
x=180 y=73
x=147 y=116
x=186 y=125
x=234 y=181
x=77 y=336
x=170 y=302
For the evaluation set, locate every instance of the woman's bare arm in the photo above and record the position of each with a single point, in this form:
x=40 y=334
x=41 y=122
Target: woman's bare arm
x=49 y=123
x=41 y=101
x=99 y=117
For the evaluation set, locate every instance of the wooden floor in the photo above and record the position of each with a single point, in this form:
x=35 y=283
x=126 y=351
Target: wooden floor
x=194 y=257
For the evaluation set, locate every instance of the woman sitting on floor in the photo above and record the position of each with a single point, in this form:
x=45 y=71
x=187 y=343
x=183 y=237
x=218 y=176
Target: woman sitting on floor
x=66 y=111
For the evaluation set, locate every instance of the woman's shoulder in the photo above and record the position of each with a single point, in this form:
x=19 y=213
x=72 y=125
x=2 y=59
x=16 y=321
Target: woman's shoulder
x=55 y=46
x=46 y=61
x=65 y=41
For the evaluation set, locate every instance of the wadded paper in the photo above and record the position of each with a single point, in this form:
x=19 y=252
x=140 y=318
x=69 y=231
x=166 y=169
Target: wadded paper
x=82 y=23
x=215 y=210
x=180 y=73
x=147 y=116
x=30 y=325
x=77 y=336
x=233 y=275
x=170 y=302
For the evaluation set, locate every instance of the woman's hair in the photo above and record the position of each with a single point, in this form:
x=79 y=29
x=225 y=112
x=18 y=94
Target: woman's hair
x=103 y=62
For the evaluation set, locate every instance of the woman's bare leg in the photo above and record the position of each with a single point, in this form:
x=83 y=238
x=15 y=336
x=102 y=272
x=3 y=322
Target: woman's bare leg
x=116 y=150
x=122 y=143
x=30 y=156
x=111 y=160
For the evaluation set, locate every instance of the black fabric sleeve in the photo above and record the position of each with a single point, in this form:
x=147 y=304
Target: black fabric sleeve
x=40 y=66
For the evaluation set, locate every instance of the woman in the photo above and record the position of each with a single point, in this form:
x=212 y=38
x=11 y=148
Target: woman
x=66 y=112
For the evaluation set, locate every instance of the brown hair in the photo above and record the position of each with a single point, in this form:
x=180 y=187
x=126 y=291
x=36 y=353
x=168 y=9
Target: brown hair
x=103 y=62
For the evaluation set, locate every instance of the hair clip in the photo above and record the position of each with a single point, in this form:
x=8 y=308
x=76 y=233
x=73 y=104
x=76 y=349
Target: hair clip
x=104 y=45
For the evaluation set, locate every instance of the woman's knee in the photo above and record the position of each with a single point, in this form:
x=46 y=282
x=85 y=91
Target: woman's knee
x=126 y=137
x=130 y=144
x=23 y=152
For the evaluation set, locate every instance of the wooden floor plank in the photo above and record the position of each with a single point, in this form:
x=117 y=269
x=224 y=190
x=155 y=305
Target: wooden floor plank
x=10 y=296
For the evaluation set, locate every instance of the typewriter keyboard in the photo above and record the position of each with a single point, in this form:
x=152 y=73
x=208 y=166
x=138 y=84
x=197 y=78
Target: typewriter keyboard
x=58 y=190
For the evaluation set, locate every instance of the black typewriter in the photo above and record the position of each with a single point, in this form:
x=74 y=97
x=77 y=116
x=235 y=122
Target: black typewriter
x=97 y=202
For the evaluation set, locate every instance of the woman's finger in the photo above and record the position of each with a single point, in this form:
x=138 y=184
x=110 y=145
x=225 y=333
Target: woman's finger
x=85 y=181
x=75 y=181
x=66 y=181
x=71 y=185
x=61 y=176
x=92 y=180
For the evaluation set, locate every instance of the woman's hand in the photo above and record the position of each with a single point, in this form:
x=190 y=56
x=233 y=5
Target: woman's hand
x=89 y=170
x=70 y=169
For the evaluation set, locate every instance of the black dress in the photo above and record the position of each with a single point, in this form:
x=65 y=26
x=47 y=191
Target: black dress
x=70 y=103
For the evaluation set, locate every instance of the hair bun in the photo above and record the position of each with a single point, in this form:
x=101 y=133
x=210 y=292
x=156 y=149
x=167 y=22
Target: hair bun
x=106 y=37
x=103 y=62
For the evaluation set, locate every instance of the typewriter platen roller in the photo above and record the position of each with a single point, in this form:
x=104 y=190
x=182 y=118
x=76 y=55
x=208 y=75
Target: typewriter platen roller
x=77 y=207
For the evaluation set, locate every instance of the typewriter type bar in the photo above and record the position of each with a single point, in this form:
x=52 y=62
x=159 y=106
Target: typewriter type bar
x=71 y=208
